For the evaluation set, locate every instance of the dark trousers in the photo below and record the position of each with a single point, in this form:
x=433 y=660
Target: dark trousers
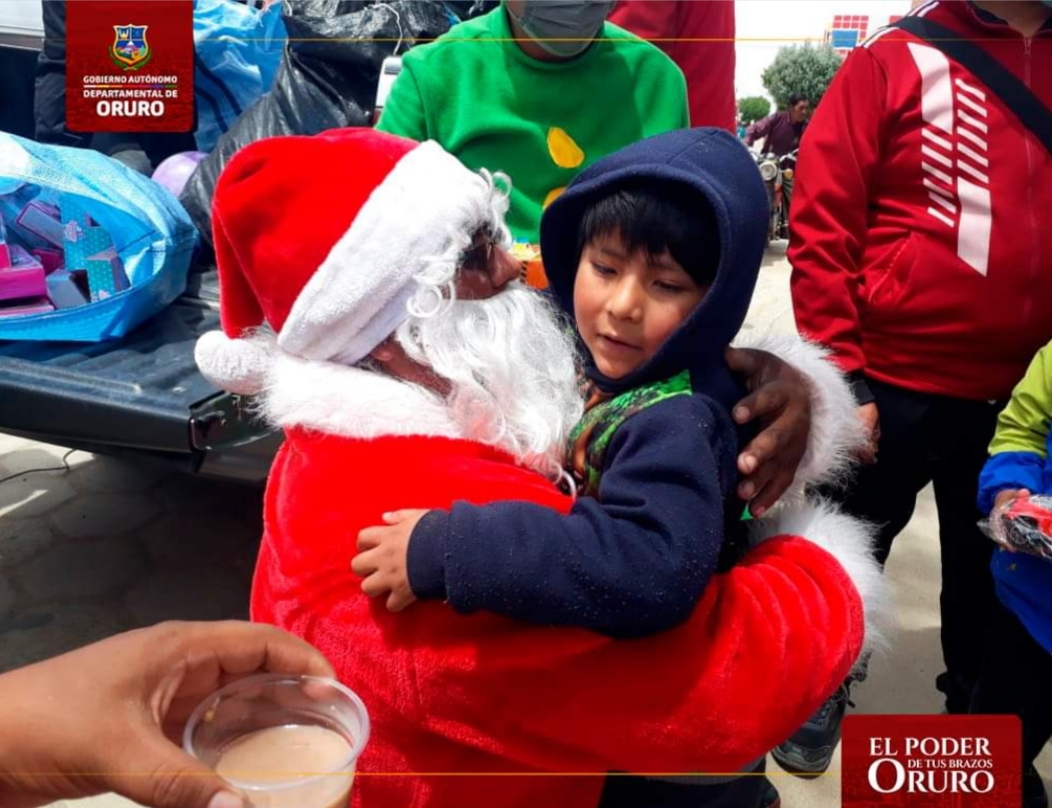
x=643 y=792
x=49 y=101
x=1016 y=679
x=928 y=438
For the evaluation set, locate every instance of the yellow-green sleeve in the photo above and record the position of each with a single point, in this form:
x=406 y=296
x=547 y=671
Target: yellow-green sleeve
x=1023 y=426
x=404 y=112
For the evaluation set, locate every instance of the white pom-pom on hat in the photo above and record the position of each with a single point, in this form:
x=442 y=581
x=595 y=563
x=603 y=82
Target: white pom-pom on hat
x=236 y=365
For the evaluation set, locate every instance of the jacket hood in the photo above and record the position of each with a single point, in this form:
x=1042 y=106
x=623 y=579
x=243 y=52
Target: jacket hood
x=720 y=169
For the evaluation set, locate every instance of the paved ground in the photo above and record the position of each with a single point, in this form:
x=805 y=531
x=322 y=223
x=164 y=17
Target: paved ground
x=110 y=545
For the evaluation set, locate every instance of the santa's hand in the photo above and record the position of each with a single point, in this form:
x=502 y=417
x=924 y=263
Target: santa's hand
x=780 y=398
x=381 y=559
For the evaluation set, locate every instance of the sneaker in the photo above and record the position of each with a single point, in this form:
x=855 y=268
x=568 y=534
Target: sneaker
x=771 y=798
x=810 y=749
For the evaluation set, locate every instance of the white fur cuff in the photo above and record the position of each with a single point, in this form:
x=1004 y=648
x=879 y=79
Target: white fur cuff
x=836 y=431
x=850 y=542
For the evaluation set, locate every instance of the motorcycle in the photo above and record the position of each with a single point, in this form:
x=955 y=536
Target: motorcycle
x=775 y=171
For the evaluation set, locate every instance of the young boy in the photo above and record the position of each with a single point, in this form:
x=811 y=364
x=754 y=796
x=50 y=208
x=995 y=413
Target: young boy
x=1017 y=660
x=655 y=251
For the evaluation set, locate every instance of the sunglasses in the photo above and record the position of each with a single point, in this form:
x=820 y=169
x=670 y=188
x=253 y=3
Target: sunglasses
x=477 y=258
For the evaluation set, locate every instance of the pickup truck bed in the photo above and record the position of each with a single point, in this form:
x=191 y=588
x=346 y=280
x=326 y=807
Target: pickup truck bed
x=140 y=395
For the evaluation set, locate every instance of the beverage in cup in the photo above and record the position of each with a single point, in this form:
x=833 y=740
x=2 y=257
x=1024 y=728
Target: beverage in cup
x=282 y=741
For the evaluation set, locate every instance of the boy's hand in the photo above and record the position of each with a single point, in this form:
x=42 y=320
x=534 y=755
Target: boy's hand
x=995 y=526
x=1007 y=496
x=780 y=397
x=381 y=559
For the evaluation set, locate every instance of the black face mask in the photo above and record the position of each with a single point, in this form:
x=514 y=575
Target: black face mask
x=564 y=28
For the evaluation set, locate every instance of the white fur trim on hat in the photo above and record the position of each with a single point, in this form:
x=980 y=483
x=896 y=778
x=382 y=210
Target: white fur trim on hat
x=359 y=295
x=236 y=365
x=837 y=433
x=850 y=541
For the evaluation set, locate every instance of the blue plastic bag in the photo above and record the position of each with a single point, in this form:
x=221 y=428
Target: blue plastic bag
x=151 y=232
x=237 y=53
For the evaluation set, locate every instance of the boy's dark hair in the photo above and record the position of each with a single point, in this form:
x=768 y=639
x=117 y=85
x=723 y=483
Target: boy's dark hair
x=657 y=218
x=796 y=98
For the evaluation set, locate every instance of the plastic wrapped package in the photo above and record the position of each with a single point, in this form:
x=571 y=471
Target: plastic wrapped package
x=1023 y=525
x=238 y=49
x=327 y=79
x=80 y=207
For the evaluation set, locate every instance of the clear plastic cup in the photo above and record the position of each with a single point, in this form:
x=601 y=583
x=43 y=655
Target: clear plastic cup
x=282 y=741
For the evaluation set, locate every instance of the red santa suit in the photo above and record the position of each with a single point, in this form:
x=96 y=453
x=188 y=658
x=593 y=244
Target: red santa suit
x=451 y=695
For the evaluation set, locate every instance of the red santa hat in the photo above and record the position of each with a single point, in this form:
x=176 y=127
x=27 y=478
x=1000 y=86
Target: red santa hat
x=323 y=238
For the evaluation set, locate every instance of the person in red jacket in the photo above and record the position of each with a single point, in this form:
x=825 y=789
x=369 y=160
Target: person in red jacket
x=354 y=272
x=699 y=38
x=922 y=257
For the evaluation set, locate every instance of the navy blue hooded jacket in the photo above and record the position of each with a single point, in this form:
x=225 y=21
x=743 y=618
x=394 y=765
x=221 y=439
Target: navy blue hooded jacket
x=636 y=559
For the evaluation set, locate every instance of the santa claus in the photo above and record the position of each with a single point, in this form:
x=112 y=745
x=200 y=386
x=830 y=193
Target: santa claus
x=405 y=364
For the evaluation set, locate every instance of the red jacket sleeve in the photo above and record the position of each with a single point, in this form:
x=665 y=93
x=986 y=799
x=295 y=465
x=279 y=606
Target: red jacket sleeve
x=648 y=19
x=839 y=158
x=699 y=38
x=707 y=58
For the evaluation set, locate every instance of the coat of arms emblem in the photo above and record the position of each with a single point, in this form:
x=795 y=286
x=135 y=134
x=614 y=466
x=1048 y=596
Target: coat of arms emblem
x=130 y=50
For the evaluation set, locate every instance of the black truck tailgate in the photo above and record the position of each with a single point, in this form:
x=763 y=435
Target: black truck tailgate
x=141 y=394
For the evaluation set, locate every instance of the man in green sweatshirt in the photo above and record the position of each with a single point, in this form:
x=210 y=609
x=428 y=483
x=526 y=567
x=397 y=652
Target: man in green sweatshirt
x=539 y=91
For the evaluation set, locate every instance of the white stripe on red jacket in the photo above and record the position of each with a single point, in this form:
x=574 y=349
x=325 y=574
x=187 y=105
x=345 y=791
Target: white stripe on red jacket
x=922 y=217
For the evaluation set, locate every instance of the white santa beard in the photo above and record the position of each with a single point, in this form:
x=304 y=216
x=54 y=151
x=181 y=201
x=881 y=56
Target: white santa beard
x=512 y=365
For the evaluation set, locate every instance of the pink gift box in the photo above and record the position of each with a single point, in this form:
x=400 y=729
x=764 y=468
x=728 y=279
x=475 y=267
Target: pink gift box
x=20 y=283
x=5 y=251
x=41 y=220
x=20 y=259
x=36 y=306
x=49 y=259
x=106 y=275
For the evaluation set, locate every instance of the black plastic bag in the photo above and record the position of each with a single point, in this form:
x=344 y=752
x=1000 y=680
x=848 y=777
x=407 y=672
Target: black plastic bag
x=327 y=79
x=469 y=9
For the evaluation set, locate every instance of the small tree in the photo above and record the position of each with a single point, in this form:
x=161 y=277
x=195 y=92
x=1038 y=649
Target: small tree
x=753 y=108
x=801 y=69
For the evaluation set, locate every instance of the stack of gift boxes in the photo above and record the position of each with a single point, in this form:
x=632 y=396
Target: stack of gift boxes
x=53 y=256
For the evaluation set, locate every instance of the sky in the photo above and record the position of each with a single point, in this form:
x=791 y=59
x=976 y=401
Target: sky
x=766 y=25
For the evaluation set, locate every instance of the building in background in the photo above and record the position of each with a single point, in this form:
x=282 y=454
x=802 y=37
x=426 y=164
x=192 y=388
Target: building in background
x=848 y=31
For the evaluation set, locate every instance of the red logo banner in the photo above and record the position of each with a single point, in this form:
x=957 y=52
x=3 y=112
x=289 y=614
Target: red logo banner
x=130 y=66
x=931 y=761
